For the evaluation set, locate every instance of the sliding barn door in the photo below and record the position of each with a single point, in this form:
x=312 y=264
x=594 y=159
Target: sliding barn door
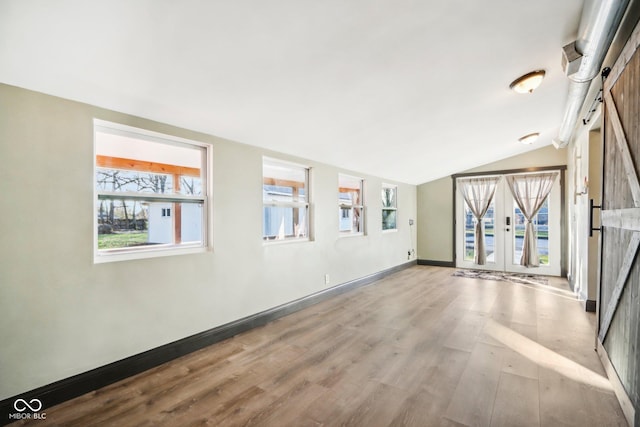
x=619 y=306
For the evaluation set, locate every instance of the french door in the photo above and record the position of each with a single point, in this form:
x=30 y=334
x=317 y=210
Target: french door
x=504 y=226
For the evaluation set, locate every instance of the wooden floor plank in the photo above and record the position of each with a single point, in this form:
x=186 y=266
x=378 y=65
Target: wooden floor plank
x=517 y=363
x=473 y=400
x=377 y=406
x=567 y=401
x=417 y=348
x=517 y=402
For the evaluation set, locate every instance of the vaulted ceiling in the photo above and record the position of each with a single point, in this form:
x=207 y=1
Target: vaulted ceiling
x=406 y=90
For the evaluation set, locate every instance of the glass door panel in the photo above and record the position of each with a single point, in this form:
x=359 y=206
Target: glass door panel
x=470 y=235
x=546 y=226
x=541 y=229
x=493 y=239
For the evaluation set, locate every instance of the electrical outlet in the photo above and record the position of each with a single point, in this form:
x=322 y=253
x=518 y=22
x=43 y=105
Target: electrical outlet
x=326 y=279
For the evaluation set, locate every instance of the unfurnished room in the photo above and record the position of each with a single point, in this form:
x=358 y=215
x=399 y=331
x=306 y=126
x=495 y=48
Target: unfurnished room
x=334 y=213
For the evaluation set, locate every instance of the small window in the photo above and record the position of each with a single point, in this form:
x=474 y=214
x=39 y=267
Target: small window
x=389 y=207
x=151 y=193
x=285 y=196
x=350 y=205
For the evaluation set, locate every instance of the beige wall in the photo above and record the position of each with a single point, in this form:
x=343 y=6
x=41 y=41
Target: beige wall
x=435 y=202
x=61 y=314
x=584 y=160
x=435 y=220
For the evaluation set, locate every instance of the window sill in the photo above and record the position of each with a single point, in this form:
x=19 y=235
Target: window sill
x=276 y=242
x=125 y=255
x=347 y=235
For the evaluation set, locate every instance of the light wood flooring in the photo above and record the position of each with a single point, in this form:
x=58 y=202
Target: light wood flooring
x=418 y=348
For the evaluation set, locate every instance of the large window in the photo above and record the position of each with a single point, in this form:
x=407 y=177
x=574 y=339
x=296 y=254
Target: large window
x=285 y=196
x=151 y=193
x=389 y=207
x=350 y=205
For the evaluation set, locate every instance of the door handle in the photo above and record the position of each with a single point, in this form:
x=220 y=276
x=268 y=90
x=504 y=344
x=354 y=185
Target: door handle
x=591 y=227
x=508 y=220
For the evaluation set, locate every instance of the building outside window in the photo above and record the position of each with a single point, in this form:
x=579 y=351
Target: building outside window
x=389 y=207
x=151 y=193
x=350 y=205
x=285 y=196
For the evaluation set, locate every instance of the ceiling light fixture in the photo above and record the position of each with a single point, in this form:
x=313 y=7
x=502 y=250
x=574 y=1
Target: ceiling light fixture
x=527 y=83
x=529 y=139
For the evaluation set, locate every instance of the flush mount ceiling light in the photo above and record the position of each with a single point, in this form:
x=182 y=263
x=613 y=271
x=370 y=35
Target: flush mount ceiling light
x=527 y=83
x=529 y=139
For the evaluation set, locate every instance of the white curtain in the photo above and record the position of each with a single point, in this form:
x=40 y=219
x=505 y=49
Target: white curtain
x=478 y=193
x=530 y=192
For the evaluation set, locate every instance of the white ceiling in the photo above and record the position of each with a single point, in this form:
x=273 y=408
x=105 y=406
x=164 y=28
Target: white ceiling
x=406 y=90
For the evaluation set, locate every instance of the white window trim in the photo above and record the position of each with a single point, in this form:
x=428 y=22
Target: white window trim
x=125 y=254
x=361 y=206
x=306 y=204
x=395 y=208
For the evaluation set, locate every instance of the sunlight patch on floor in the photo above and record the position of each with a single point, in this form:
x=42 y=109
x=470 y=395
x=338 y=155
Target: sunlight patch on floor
x=546 y=358
x=550 y=290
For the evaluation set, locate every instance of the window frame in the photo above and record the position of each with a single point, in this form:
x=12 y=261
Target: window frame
x=205 y=199
x=393 y=208
x=306 y=204
x=352 y=207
